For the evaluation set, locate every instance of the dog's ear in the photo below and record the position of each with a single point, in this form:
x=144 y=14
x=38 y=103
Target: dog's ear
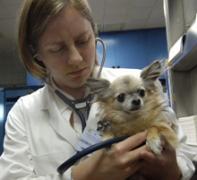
x=153 y=71
x=99 y=87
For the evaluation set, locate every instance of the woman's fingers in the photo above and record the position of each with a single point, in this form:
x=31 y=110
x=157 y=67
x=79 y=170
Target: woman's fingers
x=132 y=169
x=147 y=155
x=125 y=155
x=135 y=155
x=126 y=152
x=132 y=142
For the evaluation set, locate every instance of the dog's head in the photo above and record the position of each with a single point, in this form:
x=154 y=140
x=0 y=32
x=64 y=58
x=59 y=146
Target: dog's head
x=129 y=93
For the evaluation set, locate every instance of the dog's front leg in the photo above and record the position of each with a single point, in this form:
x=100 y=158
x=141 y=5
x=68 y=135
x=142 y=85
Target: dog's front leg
x=154 y=140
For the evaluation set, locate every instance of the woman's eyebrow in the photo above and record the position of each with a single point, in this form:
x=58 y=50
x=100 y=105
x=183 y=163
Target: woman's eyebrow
x=83 y=34
x=52 y=43
x=56 y=42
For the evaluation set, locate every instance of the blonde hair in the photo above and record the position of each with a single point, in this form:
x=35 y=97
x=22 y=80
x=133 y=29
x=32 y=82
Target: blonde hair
x=33 y=20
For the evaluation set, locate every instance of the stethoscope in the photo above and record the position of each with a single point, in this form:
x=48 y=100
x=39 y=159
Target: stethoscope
x=84 y=103
x=76 y=106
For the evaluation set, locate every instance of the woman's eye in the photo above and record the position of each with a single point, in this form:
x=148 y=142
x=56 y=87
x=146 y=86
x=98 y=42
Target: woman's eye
x=141 y=92
x=121 y=97
x=83 y=42
x=56 y=50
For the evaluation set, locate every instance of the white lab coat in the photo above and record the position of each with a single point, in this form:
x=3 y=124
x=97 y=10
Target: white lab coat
x=39 y=136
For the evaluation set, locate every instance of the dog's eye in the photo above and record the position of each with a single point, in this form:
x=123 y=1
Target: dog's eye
x=141 y=92
x=121 y=97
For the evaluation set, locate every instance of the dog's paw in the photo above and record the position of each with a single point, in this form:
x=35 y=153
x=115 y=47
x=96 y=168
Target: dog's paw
x=103 y=126
x=155 y=145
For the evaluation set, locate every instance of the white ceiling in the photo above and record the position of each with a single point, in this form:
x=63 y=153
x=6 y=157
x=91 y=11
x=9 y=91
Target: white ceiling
x=110 y=15
x=118 y=15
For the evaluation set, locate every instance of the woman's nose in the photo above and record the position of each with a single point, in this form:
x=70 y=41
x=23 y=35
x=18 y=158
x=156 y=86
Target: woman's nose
x=74 y=56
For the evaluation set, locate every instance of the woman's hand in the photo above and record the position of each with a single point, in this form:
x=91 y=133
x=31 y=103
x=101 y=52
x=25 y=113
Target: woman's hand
x=117 y=163
x=162 y=167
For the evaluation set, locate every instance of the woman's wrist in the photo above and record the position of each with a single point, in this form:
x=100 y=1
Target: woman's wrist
x=83 y=170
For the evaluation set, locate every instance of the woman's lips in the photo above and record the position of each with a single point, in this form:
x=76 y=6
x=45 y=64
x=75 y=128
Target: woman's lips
x=77 y=73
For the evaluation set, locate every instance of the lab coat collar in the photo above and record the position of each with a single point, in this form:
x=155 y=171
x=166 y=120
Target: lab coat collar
x=48 y=93
x=60 y=125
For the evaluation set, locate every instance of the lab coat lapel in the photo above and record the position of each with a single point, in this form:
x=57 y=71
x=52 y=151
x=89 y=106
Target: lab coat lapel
x=61 y=126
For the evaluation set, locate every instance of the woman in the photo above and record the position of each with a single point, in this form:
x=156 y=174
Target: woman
x=57 y=44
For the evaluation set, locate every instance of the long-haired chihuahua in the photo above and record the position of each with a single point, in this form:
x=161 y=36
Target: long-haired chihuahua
x=132 y=104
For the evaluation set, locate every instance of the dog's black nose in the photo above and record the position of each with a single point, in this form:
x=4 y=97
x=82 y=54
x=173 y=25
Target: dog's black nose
x=136 y=102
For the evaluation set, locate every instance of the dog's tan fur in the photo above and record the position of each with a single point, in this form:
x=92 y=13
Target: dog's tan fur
x=149 y=117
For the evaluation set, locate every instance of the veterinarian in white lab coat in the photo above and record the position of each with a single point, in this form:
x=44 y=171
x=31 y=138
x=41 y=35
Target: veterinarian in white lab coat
x=57 y=44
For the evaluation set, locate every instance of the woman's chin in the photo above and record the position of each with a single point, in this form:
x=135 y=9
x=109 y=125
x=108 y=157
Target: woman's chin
x=76 y=83
x=79 y=81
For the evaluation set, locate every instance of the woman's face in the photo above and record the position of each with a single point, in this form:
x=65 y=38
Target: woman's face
x=67 y=48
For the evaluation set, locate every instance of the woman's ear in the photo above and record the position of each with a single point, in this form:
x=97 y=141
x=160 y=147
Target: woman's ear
x=38 y=61
x=34 y=53
x=38 y=57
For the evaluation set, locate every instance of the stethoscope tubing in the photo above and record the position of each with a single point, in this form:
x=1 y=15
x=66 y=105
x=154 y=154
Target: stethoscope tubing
x=104 y=55
x=104 y=144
